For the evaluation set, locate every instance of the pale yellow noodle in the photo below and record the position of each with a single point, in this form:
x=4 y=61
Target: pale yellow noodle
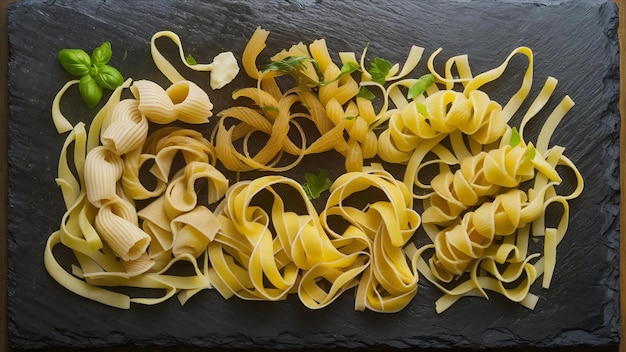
x=127 y=128
x=224 y=67
x=103 y=168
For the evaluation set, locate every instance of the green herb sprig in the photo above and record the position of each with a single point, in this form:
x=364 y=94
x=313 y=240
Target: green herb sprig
x=316 y=184
x=379 y=70
x=516 y=139
x=94 y=72
x=421 y=85
x=296 y=65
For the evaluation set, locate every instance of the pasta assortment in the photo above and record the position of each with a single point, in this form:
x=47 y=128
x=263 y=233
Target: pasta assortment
x=148 y=207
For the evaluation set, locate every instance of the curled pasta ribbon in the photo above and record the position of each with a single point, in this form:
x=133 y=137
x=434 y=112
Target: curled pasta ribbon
x=192 y=231
x=224 y=67
x=183 y=101
x=61 y=123
x=456 y=247
x=275 y=126
x=161 y=148
x=260 y=255
x=514 y=282
x=473 y=83
x=176 y=221
x=483 y=174
x=166 y=143
x=181 y=195
x=248 y=258
x=443 y=112
x=382 y=229
x=394 y=73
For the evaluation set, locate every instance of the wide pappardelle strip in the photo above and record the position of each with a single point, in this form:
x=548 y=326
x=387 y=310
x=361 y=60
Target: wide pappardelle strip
x=146 y=200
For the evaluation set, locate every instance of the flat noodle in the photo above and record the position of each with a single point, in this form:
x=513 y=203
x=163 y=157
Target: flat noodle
x=60 y=121
x=224 y=67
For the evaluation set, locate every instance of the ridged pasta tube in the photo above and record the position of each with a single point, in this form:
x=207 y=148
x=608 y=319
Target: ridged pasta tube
x=127 y=128
x=183 y=101
x=103 y=168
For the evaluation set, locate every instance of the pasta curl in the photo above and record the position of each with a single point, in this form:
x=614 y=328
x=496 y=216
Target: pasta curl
x=381 y=230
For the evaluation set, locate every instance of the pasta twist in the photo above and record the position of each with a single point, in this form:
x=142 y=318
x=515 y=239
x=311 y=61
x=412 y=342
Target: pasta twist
x=443 y=112
x=481 y=175
x=183 y=101
x=381 y=230
x=275 y=125
x=256 y=255
x=457 y=246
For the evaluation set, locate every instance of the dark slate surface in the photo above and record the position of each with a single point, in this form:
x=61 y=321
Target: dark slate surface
x=575 y=41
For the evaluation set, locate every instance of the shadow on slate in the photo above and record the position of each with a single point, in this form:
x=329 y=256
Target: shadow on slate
x=575 y=41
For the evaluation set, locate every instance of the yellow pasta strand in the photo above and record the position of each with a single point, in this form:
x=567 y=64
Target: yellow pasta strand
x=224 y=67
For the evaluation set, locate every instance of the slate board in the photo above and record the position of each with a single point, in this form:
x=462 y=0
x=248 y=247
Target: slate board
x=575 y=41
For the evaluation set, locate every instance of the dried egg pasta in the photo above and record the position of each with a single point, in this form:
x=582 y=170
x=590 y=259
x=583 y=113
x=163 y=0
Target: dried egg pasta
x=265 y=239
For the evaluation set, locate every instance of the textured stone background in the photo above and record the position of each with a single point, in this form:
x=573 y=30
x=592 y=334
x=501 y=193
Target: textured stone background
x=575 y=41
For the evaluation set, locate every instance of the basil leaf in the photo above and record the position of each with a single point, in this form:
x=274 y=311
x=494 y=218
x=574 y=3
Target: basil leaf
x=316 y=184
x=421 y=85
x=74 y=61
x=422 y=109
x=290 y=64
x=379 y=70
x=515 y=137
x=108 y=77
x=90 y=91
x=191 y=60
x=348 y=68
x=365 y=93
x=102 y=54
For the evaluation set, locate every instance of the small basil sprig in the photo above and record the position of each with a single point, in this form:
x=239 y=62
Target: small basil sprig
x=421 y=85
x=94 y=72
x=316 y=184
x=379 y=69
